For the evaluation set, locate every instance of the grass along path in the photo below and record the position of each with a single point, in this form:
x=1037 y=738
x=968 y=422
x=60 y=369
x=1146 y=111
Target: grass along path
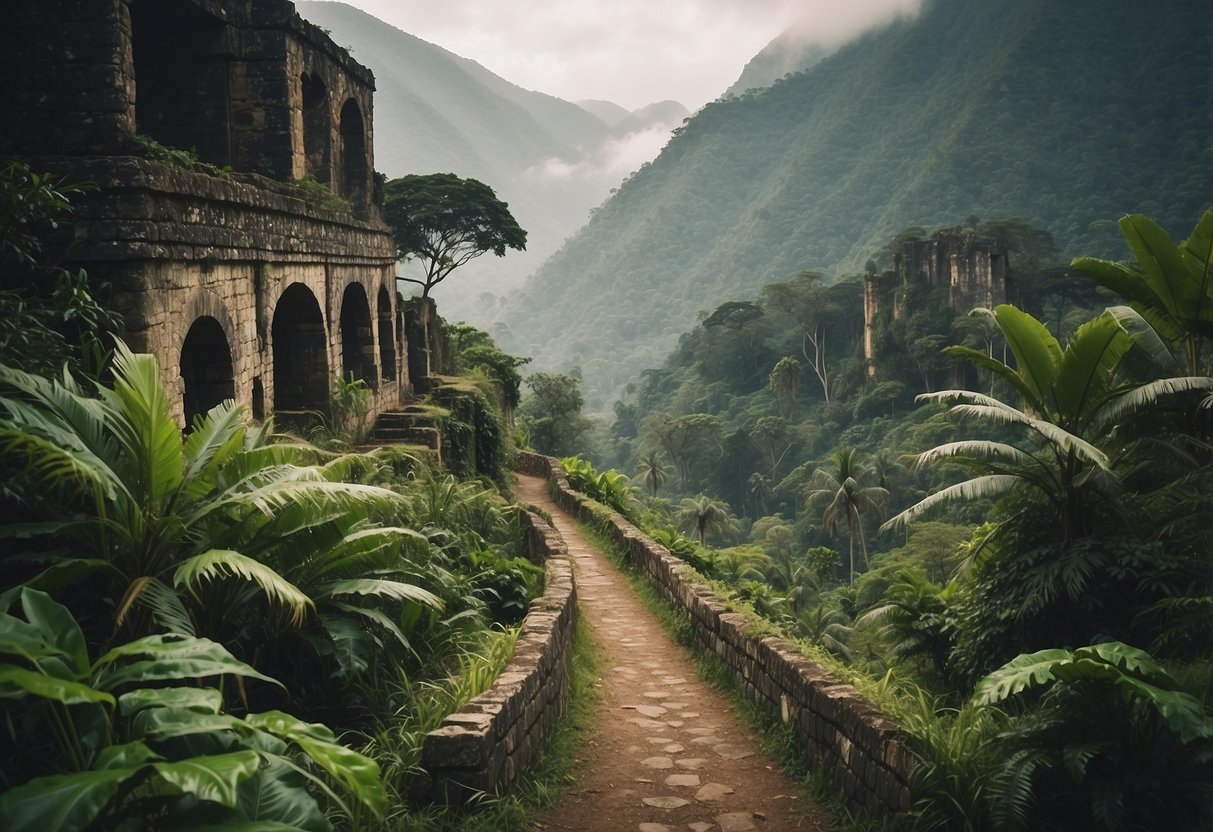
x=666 y=751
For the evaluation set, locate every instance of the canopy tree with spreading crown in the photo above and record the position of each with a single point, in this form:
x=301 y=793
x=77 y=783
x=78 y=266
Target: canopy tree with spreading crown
x=444 y=221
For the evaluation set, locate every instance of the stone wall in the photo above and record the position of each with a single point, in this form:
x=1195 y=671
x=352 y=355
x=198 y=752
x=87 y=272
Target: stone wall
x=838 y=728
x=178 y=246
x=487 y=744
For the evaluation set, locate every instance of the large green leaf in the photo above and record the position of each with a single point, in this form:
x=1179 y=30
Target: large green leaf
x=219 y=563
x=1036 y=352
x=149 y=437
x=216 y=778
x=1022 y=672
x=163 y=723
x=128 y=755
x=1182 y=712
x=203 y=700
x=53 y=618
x=1087 y=369
x=360 y=774
x=395 y=590
x=62 y=802
x=277 y=796
x=1158 y=256
x=169 y=657
x=17 y=682
x=213 y=441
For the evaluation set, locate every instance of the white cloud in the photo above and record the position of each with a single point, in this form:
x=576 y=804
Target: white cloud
x=632 y=52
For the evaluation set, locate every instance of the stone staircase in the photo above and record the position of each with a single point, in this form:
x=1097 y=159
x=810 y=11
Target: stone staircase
x=410 y=425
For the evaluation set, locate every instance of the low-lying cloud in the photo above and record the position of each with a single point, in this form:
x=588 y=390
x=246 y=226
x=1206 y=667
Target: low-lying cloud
x=631 y=52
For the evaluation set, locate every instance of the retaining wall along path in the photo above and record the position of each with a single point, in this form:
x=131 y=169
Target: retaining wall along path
x=485 y=745
x=839 y=729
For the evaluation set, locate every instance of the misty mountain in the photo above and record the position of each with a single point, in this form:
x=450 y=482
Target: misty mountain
x=788 y=52
x=1065 y=114
x=551 y=160
x=608 y=111
x=663 y=114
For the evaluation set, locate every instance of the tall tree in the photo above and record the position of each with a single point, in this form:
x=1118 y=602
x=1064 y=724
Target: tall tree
x=1070 y=403
x=552 y=414
x=683 y=437
x=707 y=516
x=846 y=498
x=805 y=301
x=443 y=221
x=653 y=469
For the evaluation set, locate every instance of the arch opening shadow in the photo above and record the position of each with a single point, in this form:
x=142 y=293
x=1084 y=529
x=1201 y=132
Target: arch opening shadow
x=354 y=165
x=357 y=337
x=387 y=336
x=206 y=368
x=301 y=365
x=317 y=128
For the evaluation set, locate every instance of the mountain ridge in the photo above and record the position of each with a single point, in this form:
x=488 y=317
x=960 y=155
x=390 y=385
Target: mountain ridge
x=924 y=122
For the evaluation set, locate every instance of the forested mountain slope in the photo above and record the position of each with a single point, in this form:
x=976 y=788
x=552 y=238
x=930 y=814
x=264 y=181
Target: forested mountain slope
x=1065 y=114
x=436 y=112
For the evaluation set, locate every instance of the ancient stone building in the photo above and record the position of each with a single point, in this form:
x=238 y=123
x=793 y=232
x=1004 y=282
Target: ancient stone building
x=973 y=270
x=244 y=284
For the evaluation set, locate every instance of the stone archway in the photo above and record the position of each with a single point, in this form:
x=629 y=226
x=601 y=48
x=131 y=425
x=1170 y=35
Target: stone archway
x=206 y=368
x=301 y=366
x=357 y=337
x=354 y=163
x=387 y=335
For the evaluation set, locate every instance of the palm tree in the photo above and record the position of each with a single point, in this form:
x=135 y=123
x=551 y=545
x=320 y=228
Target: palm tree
x=1170 y=285
x=175 y=532
x=706 y=515
x=1070 y=402
x=846 y=498
x=652 y=467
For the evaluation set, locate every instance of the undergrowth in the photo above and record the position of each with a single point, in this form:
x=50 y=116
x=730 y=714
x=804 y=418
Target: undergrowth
x=540 y=786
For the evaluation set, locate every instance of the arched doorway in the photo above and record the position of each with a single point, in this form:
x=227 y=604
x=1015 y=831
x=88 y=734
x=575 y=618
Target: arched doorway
x=206 y=368
x=317 y=128
x=357 y=337
x=387 y=336
x=301 y=365
x=354 y=167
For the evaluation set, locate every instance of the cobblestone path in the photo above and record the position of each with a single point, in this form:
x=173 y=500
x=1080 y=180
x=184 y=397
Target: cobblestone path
x=666 y=752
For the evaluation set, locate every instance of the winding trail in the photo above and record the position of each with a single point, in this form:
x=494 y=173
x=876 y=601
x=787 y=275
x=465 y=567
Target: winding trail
x=666 y=752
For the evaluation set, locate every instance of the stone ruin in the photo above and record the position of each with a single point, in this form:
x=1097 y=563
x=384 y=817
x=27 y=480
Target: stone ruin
x=243 y=284
x=974 y=270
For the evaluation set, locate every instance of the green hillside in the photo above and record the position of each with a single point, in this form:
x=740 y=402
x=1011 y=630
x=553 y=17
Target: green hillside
x=1067 y=115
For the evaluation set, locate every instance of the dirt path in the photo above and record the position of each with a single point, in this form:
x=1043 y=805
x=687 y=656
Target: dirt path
x=667 y=753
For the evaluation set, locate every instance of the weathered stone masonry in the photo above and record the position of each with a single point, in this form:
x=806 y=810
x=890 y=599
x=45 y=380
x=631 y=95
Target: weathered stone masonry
x=838 y=728
x=487 y=744
x=241 y=287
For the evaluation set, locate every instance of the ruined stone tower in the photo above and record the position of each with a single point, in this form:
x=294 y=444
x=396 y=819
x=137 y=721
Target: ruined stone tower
x=245 y=285
x=973 y=270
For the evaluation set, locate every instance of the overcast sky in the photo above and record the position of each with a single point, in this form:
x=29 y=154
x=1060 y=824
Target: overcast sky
x=632 y=52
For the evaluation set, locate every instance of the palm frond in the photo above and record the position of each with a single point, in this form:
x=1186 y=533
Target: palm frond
x=222 y=563
x=165 y=606
x=395 y=590
x=1146 y=395
x=138 y=415
x=979 y=488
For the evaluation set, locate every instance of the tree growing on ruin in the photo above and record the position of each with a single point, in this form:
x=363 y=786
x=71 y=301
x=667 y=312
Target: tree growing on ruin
x=443 y=221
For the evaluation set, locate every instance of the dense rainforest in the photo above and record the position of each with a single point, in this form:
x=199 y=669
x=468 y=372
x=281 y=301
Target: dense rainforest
x=1001 y=514
x=991 y=109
